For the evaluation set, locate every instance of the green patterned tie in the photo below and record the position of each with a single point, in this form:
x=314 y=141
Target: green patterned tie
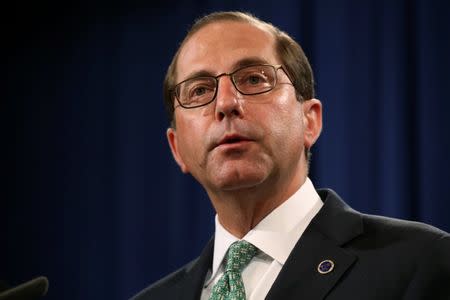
x=230 y=285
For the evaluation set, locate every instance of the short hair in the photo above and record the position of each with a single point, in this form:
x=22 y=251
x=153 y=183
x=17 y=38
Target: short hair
x=289 y=52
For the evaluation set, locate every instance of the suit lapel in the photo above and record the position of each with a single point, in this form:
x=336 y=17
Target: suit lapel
x=333 y=226
x=191 y=286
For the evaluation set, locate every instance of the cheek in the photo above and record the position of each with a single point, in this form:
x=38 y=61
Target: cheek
x=190 y=136
x=285 y=125
x=286 y=113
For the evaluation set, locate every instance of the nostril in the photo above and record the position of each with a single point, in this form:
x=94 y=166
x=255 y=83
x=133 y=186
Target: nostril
x=220 y=115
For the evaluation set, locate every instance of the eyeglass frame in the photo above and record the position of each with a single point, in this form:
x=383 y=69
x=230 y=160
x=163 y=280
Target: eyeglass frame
x=216 y=78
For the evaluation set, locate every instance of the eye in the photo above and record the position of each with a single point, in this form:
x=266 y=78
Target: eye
x=254 y=79
x=199 y=87
x=199 y=91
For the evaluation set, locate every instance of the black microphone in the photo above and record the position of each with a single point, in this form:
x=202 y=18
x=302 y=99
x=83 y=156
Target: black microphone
x=30 y=290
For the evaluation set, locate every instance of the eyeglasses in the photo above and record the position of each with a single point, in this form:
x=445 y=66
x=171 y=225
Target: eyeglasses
x=249 y=80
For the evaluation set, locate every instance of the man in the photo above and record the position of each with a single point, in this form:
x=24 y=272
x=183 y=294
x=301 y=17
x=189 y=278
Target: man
x=244 y=118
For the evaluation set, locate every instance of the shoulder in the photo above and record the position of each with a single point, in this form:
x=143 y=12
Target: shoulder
x=403 y=228
x=409 y=236
x=166 y=286
x=399 y=257
x=414 y=255
x=374 y=225
x=378 y=234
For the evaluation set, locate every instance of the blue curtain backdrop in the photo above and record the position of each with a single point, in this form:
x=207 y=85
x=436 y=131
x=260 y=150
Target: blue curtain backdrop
x=92 y=198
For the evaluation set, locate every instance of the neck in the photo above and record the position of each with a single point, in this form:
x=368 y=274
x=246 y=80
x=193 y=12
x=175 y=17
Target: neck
x=241 y=210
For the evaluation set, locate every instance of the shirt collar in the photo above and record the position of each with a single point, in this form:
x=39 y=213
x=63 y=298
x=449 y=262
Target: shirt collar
x=277 y=234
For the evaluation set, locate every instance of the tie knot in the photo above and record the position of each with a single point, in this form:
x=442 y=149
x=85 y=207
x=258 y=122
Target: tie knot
x=239 y=255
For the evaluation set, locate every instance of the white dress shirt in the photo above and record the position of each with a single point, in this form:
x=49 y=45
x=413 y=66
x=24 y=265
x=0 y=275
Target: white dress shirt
x=275 y=236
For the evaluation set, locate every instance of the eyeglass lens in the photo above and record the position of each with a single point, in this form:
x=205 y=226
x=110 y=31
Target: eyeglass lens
x=248 y=81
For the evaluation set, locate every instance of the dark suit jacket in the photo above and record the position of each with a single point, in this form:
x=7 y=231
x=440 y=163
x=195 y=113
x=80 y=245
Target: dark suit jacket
x=375 y=258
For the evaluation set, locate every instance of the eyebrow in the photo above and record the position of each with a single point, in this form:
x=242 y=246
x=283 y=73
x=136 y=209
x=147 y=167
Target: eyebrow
x=248 y=61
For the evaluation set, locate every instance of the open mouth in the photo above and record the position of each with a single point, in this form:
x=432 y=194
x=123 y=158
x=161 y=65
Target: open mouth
x=232 y=139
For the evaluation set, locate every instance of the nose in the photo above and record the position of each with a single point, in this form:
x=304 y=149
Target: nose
x=228 y=104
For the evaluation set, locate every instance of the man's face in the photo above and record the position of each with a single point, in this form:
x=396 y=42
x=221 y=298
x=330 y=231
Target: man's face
x=239 y=141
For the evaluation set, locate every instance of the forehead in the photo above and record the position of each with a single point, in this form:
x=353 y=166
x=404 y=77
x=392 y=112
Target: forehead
x=219 y=46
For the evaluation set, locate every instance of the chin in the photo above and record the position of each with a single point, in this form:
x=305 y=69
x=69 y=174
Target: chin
x=239 y=179
x=240 y=173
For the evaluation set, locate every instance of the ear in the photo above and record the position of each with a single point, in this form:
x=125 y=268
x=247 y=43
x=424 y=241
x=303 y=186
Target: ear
x=312 y=120
x=173 y=143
